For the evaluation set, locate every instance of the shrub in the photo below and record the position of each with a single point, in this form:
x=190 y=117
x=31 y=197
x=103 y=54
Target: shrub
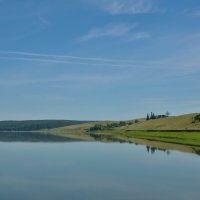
x=197 y=118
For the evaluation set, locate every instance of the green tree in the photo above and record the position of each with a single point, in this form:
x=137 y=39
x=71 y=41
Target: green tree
x=136 y=121
x=167 y=114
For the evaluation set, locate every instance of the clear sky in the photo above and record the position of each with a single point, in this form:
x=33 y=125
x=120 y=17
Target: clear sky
x=98 y=59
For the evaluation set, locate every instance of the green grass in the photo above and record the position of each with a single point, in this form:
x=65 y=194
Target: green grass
x=183 y=122
x=184 y=138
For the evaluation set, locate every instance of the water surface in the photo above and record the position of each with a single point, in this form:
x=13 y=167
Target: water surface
x=82 y=170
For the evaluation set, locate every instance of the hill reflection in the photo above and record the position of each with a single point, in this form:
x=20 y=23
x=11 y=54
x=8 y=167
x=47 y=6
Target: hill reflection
x=151 y=146
x=33 y=137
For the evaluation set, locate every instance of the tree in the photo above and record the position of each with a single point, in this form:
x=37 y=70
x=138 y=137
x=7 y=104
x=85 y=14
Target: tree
x=167 y=114
x=153 y=116
x=136 y=121
x=196 y=118
x=147 y=117
x=121 y=123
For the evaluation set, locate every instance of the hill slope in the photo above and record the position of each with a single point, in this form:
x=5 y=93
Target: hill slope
x=182 y=122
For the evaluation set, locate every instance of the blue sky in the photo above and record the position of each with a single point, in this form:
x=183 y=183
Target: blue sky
x=91 y=59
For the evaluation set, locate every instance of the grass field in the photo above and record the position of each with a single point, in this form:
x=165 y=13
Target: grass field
x=183 y=122
x=184 y=138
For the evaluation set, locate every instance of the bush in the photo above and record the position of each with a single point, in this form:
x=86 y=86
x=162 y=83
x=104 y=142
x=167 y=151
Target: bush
x=197 y=118
x=136 y=121
x=99 y=127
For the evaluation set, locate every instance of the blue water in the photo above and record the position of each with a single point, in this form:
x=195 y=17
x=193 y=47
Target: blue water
x=95 y=171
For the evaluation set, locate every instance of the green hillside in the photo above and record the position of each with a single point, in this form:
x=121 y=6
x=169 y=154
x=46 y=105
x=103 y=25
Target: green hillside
x=184 y=130
x=175 y=129
x=175 y=123
x=170 y=129
x=183 y=122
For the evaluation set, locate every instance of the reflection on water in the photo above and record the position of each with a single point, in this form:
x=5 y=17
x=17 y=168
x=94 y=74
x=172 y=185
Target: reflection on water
x=33 y=137
x=151 y=146
x=95 y=171
x=152 y=150
x=112 y=138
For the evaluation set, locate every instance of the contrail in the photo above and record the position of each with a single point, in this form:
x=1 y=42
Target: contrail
x=77 y=57
x=76 y=60
x=66 y=62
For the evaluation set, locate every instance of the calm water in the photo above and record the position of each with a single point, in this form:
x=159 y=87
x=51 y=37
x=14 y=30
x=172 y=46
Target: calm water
x=77 y=170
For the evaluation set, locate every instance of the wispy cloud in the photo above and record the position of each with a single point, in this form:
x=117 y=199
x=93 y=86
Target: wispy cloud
x=190 y=12
x=87 y=78
x=76 y=60
x=185 y=62
x=117 y=7
x=118 y=30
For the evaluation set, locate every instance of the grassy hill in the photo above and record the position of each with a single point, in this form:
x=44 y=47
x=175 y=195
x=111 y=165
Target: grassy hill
x=183 y=122
x=160 y=130
x=139 y=129
x=176 y=130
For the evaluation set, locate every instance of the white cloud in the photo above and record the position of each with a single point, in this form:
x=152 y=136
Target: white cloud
x=68 y=60
x=185 y=61
x=190 y=12
x=118 y=30
x=9 y=54
x=117 y=7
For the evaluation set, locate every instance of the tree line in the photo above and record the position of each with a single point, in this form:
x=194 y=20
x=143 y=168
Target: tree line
x=100 y=127
x=32 y=125
x=154 y=116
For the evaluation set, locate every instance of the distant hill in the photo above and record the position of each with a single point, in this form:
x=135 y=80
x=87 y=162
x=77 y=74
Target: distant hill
x=33 y=125
x=182 y=122
x=173 y=123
